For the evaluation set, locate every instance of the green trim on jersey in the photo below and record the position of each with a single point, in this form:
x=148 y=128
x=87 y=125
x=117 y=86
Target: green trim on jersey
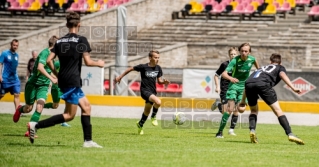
x=36 y=77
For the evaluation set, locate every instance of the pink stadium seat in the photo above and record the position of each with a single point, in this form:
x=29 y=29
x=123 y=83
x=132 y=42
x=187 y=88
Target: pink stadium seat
x=314 y=11
x=172 y=88
x=214 y=3
x=227 y=2
x=14 y=6
x=284 y=8
x=135 y=86
x=217 y=9
x=25 y=6
x=249 y=9
x=302 y=2
x=238 y=10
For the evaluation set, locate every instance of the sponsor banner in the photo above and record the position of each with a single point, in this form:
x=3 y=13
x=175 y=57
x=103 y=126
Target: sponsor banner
x=92 y=80
x=307 y=82
x=199 y=84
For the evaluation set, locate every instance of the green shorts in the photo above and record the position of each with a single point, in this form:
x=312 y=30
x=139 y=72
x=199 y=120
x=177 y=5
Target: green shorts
x=55 y=93
x=235 y=92
x=34 y=92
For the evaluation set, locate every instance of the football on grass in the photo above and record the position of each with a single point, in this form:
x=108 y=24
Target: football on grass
x=179 y=118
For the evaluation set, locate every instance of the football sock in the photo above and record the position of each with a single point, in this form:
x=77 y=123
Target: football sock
x=223 y=121
x=48 y=105
x=87 y=127
x=154 y=112
x=252 y=121
x=233 y=121
x=220 y=108
x=143 y=120
x=35 y=116
x=21 y=109
x=285 y=124
x=56 y=119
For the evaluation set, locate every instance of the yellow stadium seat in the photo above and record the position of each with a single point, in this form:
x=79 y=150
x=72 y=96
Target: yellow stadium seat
x=234 y=4
x=271 y=9
x=21 y=2
x=269 y=1
x=197 y=8
x=255 y=4
x=192 y=2
x=35 y=6
x=292 y=3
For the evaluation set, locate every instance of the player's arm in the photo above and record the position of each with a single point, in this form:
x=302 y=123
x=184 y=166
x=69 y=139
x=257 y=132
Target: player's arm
x=216 y=80
x=1 y=72
x=91 y=63
x=28 y=74
x=118 y=79
x=286 y=79
x=229 y=68
x=219 y=72
x=45 y=73
x=1 y=65
x=50 y=63
x=256 y=64
x=161 y=80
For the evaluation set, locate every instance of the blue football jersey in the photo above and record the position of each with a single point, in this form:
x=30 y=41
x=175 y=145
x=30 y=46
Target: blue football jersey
x=10 y=63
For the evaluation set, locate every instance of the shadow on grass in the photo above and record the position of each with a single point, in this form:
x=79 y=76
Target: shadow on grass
x=28 y=144
x=237 y=141
x=15 y=135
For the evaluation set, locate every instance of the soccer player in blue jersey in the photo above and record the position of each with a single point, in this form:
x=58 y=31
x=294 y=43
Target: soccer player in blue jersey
x=9 y=80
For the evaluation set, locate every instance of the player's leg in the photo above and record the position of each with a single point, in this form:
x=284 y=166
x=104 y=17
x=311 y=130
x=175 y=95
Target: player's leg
x=252 y=98
x=147 y=109
x=234 y=117
x=270 y=97
x=71 y=97
x=230 y=96
x=56 y=94
x=216 y=104
x=156 y=105
x=86 y=122
x=29 y=97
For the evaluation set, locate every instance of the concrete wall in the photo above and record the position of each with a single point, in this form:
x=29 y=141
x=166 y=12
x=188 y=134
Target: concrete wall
x=206 y=55
x=140 y=13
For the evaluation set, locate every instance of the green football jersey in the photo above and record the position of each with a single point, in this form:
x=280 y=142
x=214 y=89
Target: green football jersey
x=37 y=77
x=241 y=69
x=57 y=65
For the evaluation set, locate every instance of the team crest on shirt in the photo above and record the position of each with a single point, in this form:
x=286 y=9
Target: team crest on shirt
x=151 y=74
x=16 y=57
x=9 y=57
x=249 y=64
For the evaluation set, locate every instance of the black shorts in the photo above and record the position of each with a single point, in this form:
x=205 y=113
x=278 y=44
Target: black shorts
x=146 y=96
x=264 y=90
x=222 y=96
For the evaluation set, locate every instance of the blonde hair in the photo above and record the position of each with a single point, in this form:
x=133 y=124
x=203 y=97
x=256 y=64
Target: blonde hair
x=231 y=49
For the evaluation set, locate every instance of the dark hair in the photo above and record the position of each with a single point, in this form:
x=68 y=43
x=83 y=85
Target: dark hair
x=52 y=40
x=72 y=19
x=275 y=58
x=244 y=44
x=14 y=40
x=151 y=53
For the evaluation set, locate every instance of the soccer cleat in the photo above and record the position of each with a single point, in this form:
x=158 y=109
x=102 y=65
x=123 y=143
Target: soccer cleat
x=253 y=137
x=231 y=132
x=215 y=105
x=154 y=121
x=293 y=138
x=139 y=128
x=64 y=124
x=17 y=114
x=32 y=130
x=27 y=134
x=219 y=134
x=90 y=144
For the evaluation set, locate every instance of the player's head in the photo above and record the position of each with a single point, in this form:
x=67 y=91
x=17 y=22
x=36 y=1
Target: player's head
x=275 y=58
x=73 y=20
x=244 y=49
x=34 y=54
x=153 y=55
x=232 y=52
x=14 y=45
x=52 y=41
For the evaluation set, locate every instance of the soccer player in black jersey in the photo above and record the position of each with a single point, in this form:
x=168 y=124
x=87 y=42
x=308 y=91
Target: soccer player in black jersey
x=261 y=82
x=150 y=72
x=70 y=49
x=222 y=90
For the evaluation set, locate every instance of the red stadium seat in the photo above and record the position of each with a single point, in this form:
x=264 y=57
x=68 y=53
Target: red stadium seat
x=135 y=86
x=172 y=88
x=160 y=87
x=106 y=84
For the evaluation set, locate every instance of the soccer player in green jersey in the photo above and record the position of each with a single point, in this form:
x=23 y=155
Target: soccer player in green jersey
x=37 y=86
x=240 y=67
